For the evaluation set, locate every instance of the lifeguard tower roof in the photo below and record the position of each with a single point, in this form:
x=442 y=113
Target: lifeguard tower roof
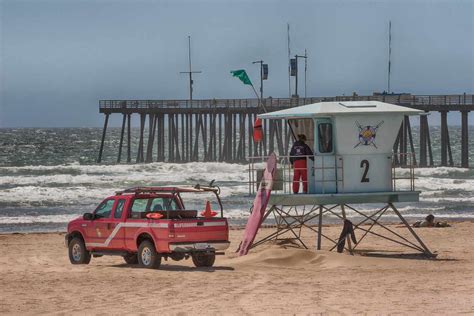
x=339 y=108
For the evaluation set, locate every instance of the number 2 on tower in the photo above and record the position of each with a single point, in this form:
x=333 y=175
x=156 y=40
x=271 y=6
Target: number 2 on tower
x=364 y=164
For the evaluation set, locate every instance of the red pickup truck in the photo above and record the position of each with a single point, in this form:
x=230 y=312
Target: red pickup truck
x=146 y=224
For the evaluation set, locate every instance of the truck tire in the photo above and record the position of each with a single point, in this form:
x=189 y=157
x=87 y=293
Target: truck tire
x=147 y=255
x=78 y=253
x=203 y=259
x=131 y=258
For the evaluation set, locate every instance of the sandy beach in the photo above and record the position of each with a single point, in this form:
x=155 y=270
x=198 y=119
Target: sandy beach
x=36 y=277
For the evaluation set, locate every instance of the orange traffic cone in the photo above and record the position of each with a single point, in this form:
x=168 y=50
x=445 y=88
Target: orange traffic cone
x=208 y=213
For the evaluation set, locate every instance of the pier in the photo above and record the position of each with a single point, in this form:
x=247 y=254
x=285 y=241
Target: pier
x=221 y=129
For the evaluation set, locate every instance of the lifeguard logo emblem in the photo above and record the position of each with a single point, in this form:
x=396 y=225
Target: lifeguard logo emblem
x=367 y=134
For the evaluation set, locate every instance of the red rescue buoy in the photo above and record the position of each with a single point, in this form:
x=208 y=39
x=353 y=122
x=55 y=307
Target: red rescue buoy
x=154 y=215
x=257 y=131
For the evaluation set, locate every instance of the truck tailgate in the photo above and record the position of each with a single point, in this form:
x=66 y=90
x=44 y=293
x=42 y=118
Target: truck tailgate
x=199 y=234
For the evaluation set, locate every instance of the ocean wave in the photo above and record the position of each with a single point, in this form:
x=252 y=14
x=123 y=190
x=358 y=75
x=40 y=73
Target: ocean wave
x=233 y=215
x=150 y=173
x=58 y=219
x=75 y=188
x=436 y=184
x=127 y=168
x=423 y=215
x=439 y=172
x=37 y=196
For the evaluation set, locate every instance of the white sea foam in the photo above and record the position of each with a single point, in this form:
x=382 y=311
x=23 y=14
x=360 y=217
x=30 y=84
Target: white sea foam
x=223 y=170
x=148 y=174
x=446 y=192
x=231 y=214
x=438 y=172
x=38 y=219
x=33 y=195
x=415 y=215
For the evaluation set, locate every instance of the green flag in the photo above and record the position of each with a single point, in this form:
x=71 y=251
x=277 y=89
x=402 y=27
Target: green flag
x=242 y=75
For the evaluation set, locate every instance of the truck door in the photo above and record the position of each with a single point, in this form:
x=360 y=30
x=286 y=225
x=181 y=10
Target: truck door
x=101 y=228
x=325 y=163
x=117 y=233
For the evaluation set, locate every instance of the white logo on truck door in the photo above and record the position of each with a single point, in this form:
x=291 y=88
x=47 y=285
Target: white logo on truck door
x=117 y=228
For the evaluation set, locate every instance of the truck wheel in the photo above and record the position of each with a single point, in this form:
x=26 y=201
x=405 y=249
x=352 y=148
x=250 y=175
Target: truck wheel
x=147 y=255
x=131 y=258
x=78 y=253
x=204 y=259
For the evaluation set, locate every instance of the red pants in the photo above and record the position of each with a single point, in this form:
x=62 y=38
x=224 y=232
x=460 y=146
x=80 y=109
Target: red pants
x=300 y=172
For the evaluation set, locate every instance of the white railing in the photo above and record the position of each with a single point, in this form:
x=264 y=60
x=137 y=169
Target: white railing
x=283 y=179
x=401 y=162
x=402 y=170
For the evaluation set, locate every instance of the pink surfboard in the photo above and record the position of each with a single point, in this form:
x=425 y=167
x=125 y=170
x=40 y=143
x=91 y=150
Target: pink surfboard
x=259 y=205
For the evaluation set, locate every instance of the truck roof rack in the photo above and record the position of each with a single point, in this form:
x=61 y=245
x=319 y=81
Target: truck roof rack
x=138 y=190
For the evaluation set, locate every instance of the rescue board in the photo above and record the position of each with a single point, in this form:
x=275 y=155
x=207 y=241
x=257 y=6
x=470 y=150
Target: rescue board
x=259 y=205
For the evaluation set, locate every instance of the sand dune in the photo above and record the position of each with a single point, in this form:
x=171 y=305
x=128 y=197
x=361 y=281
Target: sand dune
x=36 y=277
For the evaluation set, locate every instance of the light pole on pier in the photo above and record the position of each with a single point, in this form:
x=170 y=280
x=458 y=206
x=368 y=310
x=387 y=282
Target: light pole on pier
x=190 y=72
x=263 y=75
x=294 y=70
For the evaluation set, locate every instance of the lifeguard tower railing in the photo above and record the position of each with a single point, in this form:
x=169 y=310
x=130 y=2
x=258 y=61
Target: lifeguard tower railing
x=403 y=176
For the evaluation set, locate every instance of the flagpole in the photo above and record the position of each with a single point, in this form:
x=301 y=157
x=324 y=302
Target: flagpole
x=242 y=75
x=258 y=98
x=265 y=110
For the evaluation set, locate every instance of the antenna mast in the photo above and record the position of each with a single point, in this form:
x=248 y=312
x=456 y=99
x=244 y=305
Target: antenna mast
x=305 y=69
x=289 y=66
x=190 y=72
x=389 y=54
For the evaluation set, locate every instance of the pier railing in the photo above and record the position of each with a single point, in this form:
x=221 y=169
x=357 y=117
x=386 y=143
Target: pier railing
x=200 y=104
x=277 y=103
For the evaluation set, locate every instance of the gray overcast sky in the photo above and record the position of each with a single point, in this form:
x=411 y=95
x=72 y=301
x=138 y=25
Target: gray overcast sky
x=58 y=58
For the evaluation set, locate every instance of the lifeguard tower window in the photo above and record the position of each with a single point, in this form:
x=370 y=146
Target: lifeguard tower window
x=325 y=137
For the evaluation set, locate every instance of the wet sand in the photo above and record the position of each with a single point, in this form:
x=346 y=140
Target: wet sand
x=36 y=277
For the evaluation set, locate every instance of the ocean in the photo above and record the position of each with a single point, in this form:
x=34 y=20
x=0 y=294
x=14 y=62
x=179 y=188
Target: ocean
x=50 y=176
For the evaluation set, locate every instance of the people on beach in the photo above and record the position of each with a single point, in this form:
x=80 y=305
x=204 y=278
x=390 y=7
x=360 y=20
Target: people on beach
x=429 y=221
x=299 y=154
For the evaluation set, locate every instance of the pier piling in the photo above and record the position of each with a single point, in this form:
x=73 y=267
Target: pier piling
x=104 y=131
x=464 y=139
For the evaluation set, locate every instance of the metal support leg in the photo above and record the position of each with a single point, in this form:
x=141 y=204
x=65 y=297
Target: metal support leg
x=320 y=226
x=426 y=250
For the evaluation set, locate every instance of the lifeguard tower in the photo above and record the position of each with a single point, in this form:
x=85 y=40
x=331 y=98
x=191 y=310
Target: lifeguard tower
x=353 y=163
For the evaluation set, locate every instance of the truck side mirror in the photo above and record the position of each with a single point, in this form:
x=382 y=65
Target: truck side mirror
x=88 y=216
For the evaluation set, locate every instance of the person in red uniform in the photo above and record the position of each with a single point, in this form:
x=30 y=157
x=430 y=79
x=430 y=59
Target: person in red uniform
x=298 y=156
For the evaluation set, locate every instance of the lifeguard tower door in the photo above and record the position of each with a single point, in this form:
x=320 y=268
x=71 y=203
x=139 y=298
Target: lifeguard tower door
x=325 y=162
